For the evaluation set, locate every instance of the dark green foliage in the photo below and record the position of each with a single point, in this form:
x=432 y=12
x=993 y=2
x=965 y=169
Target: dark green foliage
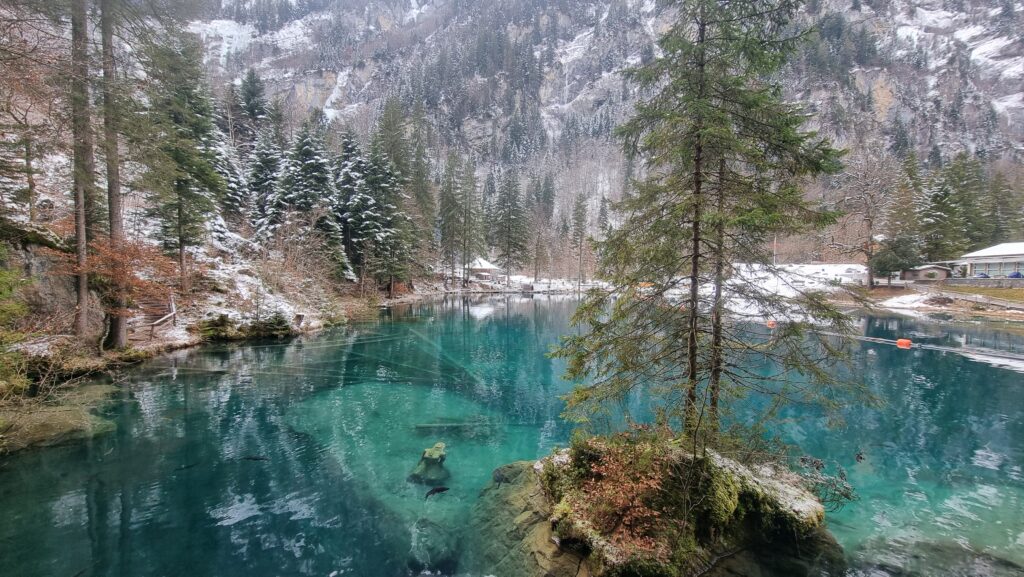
x=181 y=176
x=252 y=96
x=897 y=254
x=511 y=224
x=726 y=154
x=265 y=169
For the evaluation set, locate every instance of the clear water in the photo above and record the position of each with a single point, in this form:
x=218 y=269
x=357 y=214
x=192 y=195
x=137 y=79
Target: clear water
x=292 y=458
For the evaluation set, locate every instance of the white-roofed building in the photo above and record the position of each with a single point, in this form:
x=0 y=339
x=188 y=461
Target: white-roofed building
x=999 y=260
x=482 y=269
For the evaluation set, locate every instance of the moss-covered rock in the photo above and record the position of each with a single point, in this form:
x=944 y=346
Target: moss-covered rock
x=510 y=532
x=715 y=517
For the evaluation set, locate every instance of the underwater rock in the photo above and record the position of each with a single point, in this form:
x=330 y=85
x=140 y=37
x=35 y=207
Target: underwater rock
x=430 y=470
x=930 y=559
x=461 y=429
x=433 y=548
x=509 y=533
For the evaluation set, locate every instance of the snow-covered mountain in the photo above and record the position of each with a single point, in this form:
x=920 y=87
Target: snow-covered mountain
x=537 y=81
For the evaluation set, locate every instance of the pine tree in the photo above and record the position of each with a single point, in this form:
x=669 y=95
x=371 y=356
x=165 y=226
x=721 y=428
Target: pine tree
x=903 y=208
x=252 y=93
x=181 y=172
x=965 y=178
x=942 y=228
x=420 y=186
x=308 y=178
x=511 y=225
x=392 y=245
x=354 y=207
x=725 y=153
x=489 y=201
x=1001 y=209
x=235 y=201
x=471 y=221
x=450 y=214
x=603 y=222
x=579 y=234
x=264 y=185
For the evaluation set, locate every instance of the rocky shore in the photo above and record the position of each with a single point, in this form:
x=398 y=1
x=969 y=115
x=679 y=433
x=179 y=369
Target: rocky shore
x=514 y=532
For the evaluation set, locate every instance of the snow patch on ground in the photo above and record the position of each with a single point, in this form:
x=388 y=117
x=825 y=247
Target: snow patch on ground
x=911 y=301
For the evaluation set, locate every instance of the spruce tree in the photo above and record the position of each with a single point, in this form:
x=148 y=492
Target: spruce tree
x=726 y=156
x=942 y=227
x=902 y=216
x=308 y=179
x=489 y=200
x=449 y=217
x=264 y=185
x=235 y=201
x=579 y=234
x=181 y=173
x=392 y=235
x=511 y=225
x=471 y=219
x=252 y=94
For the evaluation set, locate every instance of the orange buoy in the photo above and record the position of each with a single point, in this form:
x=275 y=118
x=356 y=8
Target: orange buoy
x=771 y=324
x=904 y=343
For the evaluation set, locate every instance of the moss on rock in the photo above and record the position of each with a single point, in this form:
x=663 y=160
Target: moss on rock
x=708 y=516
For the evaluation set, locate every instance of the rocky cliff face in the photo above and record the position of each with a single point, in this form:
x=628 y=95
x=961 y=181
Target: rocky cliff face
x=538 y=82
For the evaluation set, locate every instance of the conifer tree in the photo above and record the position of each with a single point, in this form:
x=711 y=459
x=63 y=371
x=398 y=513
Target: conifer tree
x=901 y=216
x=726 y=155
x=471 y=221
x=510 y=224
x=264 y=185
x=965 y=178
x=252 y=94
x=355 y=207
x=603 y=222
x=1001 y=209
x=579 y=234
x=393 y=248
x=450 y=215
x=234 y=203
x=308 y=179
x=181 y=173
x=420 y=188
x=489 y=200
x=942 y=228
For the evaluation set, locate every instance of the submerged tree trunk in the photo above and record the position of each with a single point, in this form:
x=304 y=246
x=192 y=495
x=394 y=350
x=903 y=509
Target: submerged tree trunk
x=119 y=320
x=84 y=163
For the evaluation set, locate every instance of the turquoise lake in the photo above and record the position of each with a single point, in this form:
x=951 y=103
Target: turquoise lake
x=291 y=458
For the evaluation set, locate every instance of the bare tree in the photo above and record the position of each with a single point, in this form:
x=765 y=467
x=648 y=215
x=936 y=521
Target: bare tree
x=863 y=192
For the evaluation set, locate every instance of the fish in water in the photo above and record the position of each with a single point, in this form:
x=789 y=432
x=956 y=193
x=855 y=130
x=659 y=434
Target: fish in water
x=254 y=458
x=859 y=456
x=435 y=491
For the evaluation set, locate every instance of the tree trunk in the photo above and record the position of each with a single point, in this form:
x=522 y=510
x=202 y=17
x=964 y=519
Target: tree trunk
x=717 y=360
x=869 y=253
x=84 y=163
x=692 y=367
x=30 y=179
x=119 y=321
x=181 y=244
